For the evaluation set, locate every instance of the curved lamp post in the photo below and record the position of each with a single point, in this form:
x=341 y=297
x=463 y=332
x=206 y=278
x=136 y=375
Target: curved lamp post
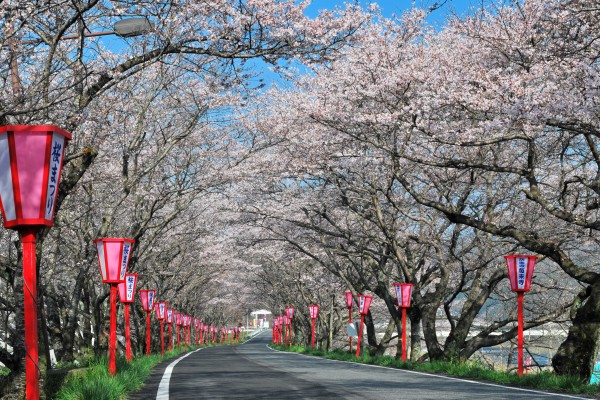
x=349 y=301
x=147 y=296
x=113 y=257
x=170 y=327
x=161 y=315
x=364 y=302
x=126 y=296
x=520 y=273
x=403 y=296
x=314 y=313
x=31 y=158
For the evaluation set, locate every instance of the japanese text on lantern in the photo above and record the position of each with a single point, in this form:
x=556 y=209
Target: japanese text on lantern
x=130 y=283
x=55 y=158
x=126 y=249
x=150 y=300
x=362 y=304
x=521 y=272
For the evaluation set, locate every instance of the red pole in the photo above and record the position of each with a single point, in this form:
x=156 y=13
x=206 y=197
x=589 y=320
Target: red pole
x=201 y=338
x=178 y=336
x=349 y=322
x=313 y=332
x=32 y=370
x=127 y=334
x=360 y=329
x=403 y=333
x=162 y=338
x=170 y=330
x=112 y=345
x=520 y=323
x=291 y=334
x=148 y=327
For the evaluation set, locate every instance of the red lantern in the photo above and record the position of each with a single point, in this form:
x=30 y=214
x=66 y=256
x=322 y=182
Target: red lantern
x=126 y=296
x=520 y=271
x=364 y=303
x=161 y=310
x=520 y=274
x=170 y=319
x=349 y=299
x=147 y=296
x=161 y=315
x=30 y=166
x=113 y=258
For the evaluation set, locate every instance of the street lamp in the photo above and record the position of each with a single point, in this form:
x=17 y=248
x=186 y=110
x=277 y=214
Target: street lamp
x=314 y=313
x=113 y=257
x=170 y=326
x=161 y=315
x=520 y=273
x=126 y=296
x=31 y=159
x=349 y=301
x=364 y=302
x=147 y=297
x=403 y=296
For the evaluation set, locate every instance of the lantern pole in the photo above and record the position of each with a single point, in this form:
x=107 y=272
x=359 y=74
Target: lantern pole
x=403 y=333
x=162 y=337
x=170 y=332
x=178 y=336
x=127 y=333
x=349 y=322
x=148 y=328
x=32 y=369
x=112 y=346
x=360 y=333
x=313 y=332
x=520 y=330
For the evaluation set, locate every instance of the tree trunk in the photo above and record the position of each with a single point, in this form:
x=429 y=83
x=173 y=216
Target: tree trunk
x=415 y=334
x=577 y=354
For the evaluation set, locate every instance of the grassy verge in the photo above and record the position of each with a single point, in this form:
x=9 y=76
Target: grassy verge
x=540 y=380
x=95 y=383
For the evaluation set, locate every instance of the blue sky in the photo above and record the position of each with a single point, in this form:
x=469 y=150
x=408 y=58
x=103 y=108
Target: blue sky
x=389 y=7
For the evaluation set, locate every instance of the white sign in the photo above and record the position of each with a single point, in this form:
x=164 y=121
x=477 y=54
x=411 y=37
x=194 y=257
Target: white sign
x=56 y=152
x=521 y=272
x=125 y=260
x=130 y=281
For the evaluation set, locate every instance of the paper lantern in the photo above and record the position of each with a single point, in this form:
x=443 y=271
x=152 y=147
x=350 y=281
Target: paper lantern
x=364 y=302
x=520 y=271
x=31 y=158
x=147 y=297
x=127 y=288
x=403 y=294
x=113 y=258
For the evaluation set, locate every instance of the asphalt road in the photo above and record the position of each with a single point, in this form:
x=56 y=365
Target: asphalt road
x=253 y=371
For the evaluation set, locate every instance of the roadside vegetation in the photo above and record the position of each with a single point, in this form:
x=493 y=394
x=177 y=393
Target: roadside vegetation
x=94 y=381
x=544 y=380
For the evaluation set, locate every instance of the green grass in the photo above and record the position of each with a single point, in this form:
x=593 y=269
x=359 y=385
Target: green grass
x=544 y=380
x=95 y=382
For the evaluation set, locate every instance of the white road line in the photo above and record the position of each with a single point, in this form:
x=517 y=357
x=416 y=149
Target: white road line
x=163 y=387
x=437 y=376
